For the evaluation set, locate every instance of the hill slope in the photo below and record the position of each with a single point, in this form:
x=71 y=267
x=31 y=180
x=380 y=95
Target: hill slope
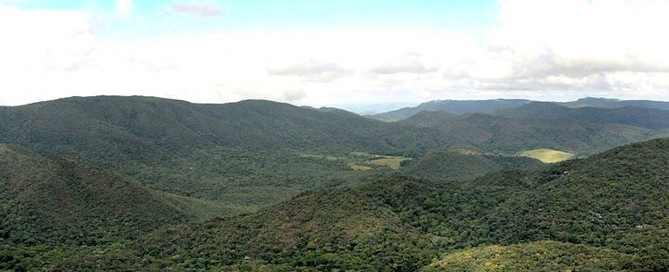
x=62 y=201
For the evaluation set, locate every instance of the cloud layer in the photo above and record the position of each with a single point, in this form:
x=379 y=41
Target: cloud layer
x=551 y=50
x=197 y=9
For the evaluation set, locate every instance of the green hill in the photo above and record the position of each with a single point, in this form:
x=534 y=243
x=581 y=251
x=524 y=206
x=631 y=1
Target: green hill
x=245 y=154
x=61 y=201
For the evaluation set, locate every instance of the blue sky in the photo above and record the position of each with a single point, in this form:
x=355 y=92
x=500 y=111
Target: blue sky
x=334 y=53
x=155 y=18
x=300 y=13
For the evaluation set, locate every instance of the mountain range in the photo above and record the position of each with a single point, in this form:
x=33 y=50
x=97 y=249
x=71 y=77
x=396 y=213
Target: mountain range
x=460 y=107
x=149 y=184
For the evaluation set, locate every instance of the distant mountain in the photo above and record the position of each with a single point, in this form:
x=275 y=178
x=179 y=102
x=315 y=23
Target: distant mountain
x=491 y=106
x=632 y=116
x=613 y=203
x=616 y=103
x=61 y=201
x=509 y=135
x=451 y=106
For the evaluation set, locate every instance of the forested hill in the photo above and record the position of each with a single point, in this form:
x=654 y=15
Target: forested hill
x=65 y=202
x=148 y=128
x=614 y=203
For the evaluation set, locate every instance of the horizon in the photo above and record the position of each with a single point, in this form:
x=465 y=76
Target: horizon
x=346 y=53
x=361 y=109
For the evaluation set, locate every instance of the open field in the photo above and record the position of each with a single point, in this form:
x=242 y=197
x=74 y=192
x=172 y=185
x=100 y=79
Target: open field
x=546 y=155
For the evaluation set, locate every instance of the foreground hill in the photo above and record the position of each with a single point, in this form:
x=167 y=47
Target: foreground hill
x=245 y=155
x=61 y=201
x=614 y=203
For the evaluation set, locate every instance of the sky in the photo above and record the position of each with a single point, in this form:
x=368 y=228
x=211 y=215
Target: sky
x=354 y=54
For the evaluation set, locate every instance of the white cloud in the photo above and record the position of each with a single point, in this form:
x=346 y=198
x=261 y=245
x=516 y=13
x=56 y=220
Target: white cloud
x=410 y=63
x=197 y=9
x=124 y=7
x=577 y=40
x=310 y=70
x=540 y=49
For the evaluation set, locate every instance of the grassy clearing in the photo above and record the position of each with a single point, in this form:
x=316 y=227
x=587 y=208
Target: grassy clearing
x=546 y=155
x=357 y=167
x=361 y=161
x=392 y=162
